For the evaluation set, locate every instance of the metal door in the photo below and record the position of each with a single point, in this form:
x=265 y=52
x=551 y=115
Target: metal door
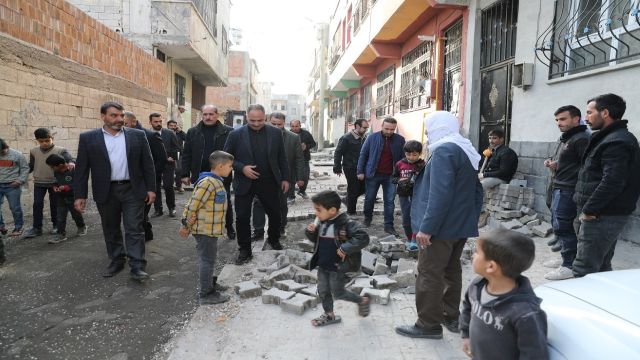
x=497 y=51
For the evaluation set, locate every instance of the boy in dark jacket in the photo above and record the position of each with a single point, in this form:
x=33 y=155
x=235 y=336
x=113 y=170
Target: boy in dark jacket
x=404 y=174
x=338 y=243
x=63 y=190
x=501 y=316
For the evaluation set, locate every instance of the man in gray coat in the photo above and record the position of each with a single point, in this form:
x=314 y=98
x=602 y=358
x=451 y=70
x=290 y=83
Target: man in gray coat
x=295 y=160
x=445 y=208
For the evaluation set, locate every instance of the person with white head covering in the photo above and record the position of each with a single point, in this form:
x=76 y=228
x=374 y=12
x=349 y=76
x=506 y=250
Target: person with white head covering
x=447 y=199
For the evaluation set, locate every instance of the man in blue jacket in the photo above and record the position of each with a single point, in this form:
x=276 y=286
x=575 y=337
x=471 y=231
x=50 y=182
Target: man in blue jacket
x=445 y=208
x=378 y=154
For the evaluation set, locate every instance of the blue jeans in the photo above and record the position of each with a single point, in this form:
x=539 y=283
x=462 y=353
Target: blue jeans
x=13 y=197
x=207 y=247
x=372 y=185
x=563 y=212
x=39 y=192
x=331 y=286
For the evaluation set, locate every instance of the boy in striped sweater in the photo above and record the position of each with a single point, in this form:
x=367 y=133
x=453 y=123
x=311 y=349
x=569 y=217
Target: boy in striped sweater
x=204 y=217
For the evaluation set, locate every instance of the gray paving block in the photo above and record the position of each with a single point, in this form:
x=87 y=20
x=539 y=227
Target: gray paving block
x=306 y=245
x=406 y=264
x=381 y=268
x=289 y=285
x=311 y=290
x=542 y=230
x=377 y=296
x=283 y=261
x=368 y=262
x=360 y=283
x=298 y=258
x=298 y=304
x=404 y=278
x=282 y=274
x=389 y=246
x=248 y=289
x=383 y=282
x=394 y=266
x=275 y=296
x=230 y=274
x=303 y=276
x=533 y=223
x=512 y=224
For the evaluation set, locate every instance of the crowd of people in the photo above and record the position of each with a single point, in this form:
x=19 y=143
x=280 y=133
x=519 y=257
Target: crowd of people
x=594 y=187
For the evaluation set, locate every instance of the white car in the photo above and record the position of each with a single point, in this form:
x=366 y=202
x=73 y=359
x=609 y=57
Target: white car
x=594 y=317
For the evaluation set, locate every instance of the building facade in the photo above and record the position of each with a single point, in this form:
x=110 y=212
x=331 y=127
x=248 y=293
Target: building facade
x=291 y=105
x=190 y=37
x=264 y=94
x=242 y=88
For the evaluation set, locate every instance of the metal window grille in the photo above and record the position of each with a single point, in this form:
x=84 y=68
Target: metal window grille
x=356 y=18
x=590 y=34
x=365 y=103
x=499 y=30
x=452 y=68
x=181 y=84
x=384 y=92
x=416 y=70
x=352 y=112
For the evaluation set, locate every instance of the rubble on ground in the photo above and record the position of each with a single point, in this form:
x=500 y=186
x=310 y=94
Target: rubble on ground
x=510 y=206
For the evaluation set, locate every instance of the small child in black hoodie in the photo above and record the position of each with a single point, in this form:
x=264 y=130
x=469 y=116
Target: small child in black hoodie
x=337 y=252
x=501 y=316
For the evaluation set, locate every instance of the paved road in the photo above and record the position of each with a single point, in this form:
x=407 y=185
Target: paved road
x=55 y=304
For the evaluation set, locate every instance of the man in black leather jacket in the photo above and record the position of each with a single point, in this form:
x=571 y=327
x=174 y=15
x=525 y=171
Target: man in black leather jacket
x=502 y=164
x=345 y=159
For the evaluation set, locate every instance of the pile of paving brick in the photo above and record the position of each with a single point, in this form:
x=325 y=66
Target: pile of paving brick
x=511 y=207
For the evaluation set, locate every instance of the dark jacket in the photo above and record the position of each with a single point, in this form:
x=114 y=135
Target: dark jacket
x=307 y=138
x=239 y=145
x=447 y=196
x=193 y=151
x=293 y=150
x=407 y=172
x=181 y=136
x=510 y=327
x=372 y=149
x=158 y=152
x=572 y=145
x=609 y=180
x=503 y=164
x=347 y=153
x=351 y=237
x=170 y=142
x=93 y=158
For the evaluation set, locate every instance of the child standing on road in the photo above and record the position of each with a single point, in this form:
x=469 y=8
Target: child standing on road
x=404 y=174
x=501 y=316
x=63 y=191
x=204 y=217
x=338 y=242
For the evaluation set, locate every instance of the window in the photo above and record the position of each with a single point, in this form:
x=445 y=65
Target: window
x=384 y=92
x=160 y=55
x=282 y=107
x=181 y=84
x=416 y=73
x=365 y=102
x=225 y=41
x=294 y=111
x=352 y=112
x=208 y=9
x=274 y=107
x=591 y=34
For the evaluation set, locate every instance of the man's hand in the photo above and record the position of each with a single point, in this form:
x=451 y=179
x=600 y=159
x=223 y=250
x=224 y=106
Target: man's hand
x=480 y=176
x=170 y=159
x=466 y=347
x=15 y=184
x=304 y=146
x=300 y=183
x=183 y=232
x=186 y=181
x=285 y=186
x=151 y=198
x=80 y=205
x=249 y=172
x=551 y=164
x=360 y=176
x=587 y=217
x=55 y=189
x=341 y=253
x=423 y=239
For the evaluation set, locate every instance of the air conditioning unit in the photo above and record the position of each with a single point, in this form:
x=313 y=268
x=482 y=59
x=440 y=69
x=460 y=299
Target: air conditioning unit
x=522 y=76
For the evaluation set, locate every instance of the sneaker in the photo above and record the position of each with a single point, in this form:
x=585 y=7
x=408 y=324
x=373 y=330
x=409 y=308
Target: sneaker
x=82 y=231
x=257 y=235
x=172 y=212
x=411 y=245
x=33 y=232
x=303 y=194
x=213 y=298
x=557 y=247
x=58 y=239
x=243 y=257
x=552 y=241
x=552 y=264
x=414 y=331
x=561 y=273
x=54 y=231
x=291 y=201
x=391 y=231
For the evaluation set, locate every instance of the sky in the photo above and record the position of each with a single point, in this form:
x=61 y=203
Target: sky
x=280 y=36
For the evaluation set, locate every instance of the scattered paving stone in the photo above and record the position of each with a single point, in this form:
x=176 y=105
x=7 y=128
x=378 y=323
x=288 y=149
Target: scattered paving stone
x=381 y=268
x=524 y=230
x=289 y=285
x=248 y=289
x=377 y=296
x=527 y=218
x=408 y=290
x=512 y=224
x=542 y=230
x=387 y=238
x=275 y=296
x=283 y=274
x=298 y=304
x=304 y=276
x=404 y=265
x=230 y=274
x=533 y=223
x=306 y=245
x=404 y=278
x=388 y=246
x=383 y=282
x=525 y=210
x=311 y=290
x=368 y=262
x=299 y=258
x=360 y=283
x=394 y=265
x=283 y=260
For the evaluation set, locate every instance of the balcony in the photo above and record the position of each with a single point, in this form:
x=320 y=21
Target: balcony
x=180 y=32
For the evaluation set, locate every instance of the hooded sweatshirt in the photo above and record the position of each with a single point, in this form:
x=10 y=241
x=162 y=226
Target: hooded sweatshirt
x=510 y=326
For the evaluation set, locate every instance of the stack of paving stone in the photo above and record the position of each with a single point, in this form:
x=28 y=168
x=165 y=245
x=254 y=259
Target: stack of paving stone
x=511 y=207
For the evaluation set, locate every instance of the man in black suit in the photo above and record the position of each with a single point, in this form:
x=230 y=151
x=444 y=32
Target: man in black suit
x=122 y=181
x=159 y=155
x=261 y=170
x=166 y=179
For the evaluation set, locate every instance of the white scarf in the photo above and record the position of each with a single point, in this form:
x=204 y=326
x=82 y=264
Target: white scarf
x=442 y=127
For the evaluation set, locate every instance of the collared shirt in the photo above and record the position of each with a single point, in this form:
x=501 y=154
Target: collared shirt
x=117 y=151
x=355 y=134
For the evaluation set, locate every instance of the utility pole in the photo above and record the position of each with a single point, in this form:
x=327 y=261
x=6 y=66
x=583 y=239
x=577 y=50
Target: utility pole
x=324 y=43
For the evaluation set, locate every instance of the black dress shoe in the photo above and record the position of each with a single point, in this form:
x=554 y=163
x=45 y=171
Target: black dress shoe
x=451 y=325
x=413 y=331
x=138 y=274
x=243 y=257
x=552 y=241
x=158 y=213
x=113 y=269
x=172 y=212
x=231 y=234
x=556 y=247
x=257 y=235
x=275 y=245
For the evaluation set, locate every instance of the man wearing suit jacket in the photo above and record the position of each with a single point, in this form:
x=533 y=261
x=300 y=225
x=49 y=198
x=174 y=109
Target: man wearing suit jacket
x=159 y=155
x=122 y=180
x=261 y=170
x=166 y=178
